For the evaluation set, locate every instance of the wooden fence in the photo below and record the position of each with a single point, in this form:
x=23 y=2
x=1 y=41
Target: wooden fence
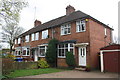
x=9 y=65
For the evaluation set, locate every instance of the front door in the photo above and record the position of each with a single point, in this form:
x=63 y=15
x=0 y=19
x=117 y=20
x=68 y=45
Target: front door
x=82 y=56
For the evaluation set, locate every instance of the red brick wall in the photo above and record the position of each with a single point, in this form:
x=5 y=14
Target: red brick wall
x=94 y=35
x=97 y=41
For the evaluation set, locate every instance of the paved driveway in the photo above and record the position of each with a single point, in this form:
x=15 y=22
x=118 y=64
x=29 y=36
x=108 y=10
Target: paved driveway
x=75 y=74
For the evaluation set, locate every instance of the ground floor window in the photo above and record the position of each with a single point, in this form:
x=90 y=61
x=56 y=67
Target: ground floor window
x=26 y=51
x=42 y=50
x=63 y=48
x=17 y=53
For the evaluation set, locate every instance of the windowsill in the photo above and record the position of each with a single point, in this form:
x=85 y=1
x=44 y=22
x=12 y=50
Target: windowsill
x=17 y=55
x=65 y=34
x=61 y=57
x=80 y=31
x=25 y=55
x=42 y=56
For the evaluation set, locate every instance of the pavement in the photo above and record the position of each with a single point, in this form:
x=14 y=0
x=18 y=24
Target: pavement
x=75 y=74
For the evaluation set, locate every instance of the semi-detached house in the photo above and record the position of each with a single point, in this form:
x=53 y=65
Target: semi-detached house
x=76 y=31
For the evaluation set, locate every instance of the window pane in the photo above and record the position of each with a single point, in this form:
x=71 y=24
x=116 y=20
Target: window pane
x=19 y=39
x=27 y=51
x=65 y=29
x=33 y=37
x=44 y=34
x=37 y=36
x=66 y=45
x=24 y=52
x=19 y=52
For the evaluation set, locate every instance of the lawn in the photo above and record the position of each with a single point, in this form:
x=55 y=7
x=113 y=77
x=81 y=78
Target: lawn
x=29 y=72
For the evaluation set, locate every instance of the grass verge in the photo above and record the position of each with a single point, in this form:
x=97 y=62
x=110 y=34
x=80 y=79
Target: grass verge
x=30 y=72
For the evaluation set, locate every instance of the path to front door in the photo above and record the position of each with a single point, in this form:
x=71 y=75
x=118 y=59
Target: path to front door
x=82 y=56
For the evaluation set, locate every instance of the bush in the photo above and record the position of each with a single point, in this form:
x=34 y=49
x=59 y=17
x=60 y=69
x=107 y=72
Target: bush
x=70 y=60
x=51 y=54
x=43 y=64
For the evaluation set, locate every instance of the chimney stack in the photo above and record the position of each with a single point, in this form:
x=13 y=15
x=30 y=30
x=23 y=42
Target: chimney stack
x=69 y=9
x=36 y=23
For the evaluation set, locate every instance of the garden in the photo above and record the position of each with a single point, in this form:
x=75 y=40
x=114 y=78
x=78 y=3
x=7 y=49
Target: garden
x=14 y=69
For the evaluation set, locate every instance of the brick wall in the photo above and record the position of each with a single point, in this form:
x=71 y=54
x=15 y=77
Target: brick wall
x=94 y=35
x=97 y=40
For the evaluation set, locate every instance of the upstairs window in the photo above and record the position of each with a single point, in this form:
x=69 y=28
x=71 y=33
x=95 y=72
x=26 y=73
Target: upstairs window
x=15 y=41
x=45 y=34
x=32 y=37
x=37 y=36
x=19 y=39
x=65 y=29
x=105 y=32
x=80 y=26
x=27 y=38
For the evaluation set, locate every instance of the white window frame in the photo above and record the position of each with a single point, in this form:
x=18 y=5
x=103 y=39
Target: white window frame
x=17 y=54
x=43 y=48
x=105 y=32
x=19 y=39
x=37 y=36
x=27 y=38
x=68 y=48
x=32 y=37
x=15 y=41
x=79 y=25
x=65 y=29
x=45 y=34
x=26 y=52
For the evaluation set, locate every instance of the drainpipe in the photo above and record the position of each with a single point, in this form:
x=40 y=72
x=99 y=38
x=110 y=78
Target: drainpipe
x=101 y=60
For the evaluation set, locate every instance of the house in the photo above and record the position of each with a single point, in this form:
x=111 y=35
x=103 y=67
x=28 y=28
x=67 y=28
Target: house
x=110 y=58
x=76 y=31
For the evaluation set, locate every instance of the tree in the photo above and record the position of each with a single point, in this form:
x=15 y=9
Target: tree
x=10 y=10
x=10 y=32
x=9 y=17
x=51 y=54
x=70 y=60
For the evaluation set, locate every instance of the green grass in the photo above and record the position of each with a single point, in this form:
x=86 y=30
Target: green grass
x=29 y=72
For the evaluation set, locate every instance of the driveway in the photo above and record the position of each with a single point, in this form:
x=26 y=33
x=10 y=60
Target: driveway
x=75 y=74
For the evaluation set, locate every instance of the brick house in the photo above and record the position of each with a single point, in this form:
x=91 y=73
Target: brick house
x=76 y=31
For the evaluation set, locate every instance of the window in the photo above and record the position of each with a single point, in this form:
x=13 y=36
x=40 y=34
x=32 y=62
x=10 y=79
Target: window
x=65 y=29
x=63 y=48
x=44 y=34
x=80 y=26
x=42 y=51
x=37 y=36
x=32 y=36
x=27 y=38
x=105 y=31
x=26 y=52
x=19 y=39
x=17 y=53
x=15 y=41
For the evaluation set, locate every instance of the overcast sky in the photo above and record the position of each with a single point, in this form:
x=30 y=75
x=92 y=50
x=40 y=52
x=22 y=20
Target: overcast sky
x=105 y=11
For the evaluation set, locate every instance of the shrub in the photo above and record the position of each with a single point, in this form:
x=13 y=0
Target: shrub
x=51 y=54
x=43 y=64
x=70 y=60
